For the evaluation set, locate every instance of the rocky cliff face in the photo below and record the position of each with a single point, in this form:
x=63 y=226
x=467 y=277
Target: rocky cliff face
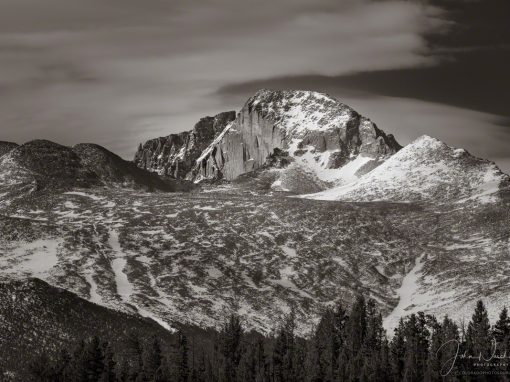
x=176 y=154
x=320 y=134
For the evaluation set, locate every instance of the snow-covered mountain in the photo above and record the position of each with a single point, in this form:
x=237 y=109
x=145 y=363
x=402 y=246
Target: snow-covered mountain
x=325 y=141
x=238 y=244
x=426 y=170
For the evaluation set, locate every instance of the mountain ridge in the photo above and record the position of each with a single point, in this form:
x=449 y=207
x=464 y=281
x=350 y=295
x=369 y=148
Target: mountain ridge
x=427 y=169
x=40 y=165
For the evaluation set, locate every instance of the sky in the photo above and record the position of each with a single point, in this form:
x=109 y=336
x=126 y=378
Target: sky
x=120 y=72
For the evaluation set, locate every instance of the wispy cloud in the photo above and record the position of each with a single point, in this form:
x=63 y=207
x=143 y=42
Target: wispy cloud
x=119 y=72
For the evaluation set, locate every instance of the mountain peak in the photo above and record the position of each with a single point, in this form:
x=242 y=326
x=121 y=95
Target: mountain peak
x=426 y=139
x=427 y=169
x=271 y=95
x=318 y=133
x=300 y=111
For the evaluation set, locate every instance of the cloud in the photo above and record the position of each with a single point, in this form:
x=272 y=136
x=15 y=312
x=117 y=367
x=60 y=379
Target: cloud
x=120 y=72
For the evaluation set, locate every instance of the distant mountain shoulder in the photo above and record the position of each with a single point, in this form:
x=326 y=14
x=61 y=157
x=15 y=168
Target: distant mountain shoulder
x=426 y=170
x=44 y=165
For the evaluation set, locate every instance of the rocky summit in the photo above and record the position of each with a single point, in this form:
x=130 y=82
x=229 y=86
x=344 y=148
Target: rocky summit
x=317 y=134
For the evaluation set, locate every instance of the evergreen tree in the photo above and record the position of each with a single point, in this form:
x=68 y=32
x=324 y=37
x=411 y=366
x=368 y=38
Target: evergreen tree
x=449 y=332
x=152 y=359
x=397 y=352
x=284 y=351
x=328 y=340
x=231 y=347
x=502 y=328
x=356 y=331
x=478 y=334
x=502 y=337
x=182 y=358
x=93 y=360
x=434 y=364
x=375 y=364
x=109 y=373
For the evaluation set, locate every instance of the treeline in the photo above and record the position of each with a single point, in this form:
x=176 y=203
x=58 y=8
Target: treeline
x=346 y=345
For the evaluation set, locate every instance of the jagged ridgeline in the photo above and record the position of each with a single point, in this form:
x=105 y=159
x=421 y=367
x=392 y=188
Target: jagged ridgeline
x=175 y=155
x=319 y=134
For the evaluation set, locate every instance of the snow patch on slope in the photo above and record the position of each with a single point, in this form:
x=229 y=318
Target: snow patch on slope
x=125 y=288
x=317 y=163
x=407 y=296
x=37 y=258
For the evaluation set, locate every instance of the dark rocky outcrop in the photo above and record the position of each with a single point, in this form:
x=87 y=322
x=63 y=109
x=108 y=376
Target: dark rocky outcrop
x=48 y=165
x=44 y=165
x=176 y=154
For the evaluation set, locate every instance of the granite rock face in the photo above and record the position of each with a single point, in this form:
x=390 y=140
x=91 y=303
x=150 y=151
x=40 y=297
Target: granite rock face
x=175 y=155
x=320 y=133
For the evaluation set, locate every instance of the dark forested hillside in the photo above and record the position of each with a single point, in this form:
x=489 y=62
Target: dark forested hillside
x=69 y=339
